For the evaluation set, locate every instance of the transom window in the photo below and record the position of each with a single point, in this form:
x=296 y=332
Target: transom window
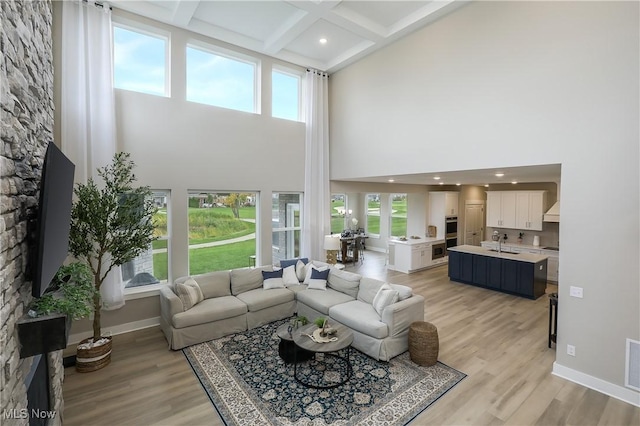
x=221 y=80
x=285 y=95
x=140 y=61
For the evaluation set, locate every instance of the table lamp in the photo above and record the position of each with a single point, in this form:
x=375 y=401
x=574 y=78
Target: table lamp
x=332 y=245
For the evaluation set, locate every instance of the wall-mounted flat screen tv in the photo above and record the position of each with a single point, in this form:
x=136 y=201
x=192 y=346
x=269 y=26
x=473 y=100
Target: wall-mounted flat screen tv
x=53 y=218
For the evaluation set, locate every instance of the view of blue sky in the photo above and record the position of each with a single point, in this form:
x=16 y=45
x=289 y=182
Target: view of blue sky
x=139 y=65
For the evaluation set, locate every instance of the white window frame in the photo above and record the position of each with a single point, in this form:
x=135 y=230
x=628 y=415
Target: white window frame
x=152 y=289
x=150 y=31
x=297 y=74
x=390 y=201
x=290 y=211
x=234 y=56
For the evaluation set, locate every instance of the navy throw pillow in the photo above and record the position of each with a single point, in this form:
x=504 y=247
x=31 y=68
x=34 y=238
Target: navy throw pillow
x=268 y=274
x=319 y=275
x=289 y=262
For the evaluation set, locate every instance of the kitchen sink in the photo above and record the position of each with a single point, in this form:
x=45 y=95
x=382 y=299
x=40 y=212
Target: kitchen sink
x=496 y=251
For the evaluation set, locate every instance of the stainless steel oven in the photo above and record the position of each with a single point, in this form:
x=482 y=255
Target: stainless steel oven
x=438 y=251
x=451 y=242
x=451 y=226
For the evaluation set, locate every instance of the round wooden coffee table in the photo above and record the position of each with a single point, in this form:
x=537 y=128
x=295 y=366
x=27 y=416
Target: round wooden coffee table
x=330 y=349
x=287 y=349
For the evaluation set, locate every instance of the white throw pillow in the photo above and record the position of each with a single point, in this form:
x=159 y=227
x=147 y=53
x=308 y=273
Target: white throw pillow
x=404 y=292
x=271 y=283
x=310 y=269
x=189 y=293
x=301 y=270
x=289 y=276
x=386 y=296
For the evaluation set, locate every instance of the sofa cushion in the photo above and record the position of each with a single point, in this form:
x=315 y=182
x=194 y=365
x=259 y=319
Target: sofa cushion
x=289 y=262
x=297 y=288
x=245 y=279
x=260 y=298
x=212 y=284
x=345 y=282
x=189 y=293
x=386 y=296
x=210 y=310
x=301 y=270
x=360 y=316
x=404 y=292
x=318 y=280
x=321 y=301
x=368 y=289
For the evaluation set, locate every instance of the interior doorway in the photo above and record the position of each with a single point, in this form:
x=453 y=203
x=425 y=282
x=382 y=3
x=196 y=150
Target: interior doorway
x=473 y=222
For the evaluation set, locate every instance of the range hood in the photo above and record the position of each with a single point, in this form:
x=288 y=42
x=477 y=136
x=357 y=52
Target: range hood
x=553 y=214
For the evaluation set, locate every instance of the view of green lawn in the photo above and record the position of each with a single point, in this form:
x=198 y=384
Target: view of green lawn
x=207 y=225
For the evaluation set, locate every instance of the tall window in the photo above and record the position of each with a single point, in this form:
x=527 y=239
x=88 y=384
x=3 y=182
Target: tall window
x=338 y=213
x=398 y=215
x=286 y=225
x=219 y=80
x=140 y=61
x=152 y=266
x=285 y=95
x=373 y=214
x=222 y=230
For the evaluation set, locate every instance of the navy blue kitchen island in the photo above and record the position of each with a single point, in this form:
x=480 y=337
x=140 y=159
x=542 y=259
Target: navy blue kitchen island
x=520 y=274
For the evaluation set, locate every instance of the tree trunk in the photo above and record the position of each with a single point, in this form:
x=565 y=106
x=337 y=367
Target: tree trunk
x=97 y=307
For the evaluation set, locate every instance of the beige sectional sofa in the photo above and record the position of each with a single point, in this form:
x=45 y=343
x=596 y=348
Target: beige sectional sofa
x=236 y=300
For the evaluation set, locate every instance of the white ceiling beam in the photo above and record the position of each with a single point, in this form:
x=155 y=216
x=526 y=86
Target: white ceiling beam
x=183 y=13
x=295 y=25
x=357 y=24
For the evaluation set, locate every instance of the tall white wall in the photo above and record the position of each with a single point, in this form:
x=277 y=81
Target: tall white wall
x=500 y=84
x=183 y=146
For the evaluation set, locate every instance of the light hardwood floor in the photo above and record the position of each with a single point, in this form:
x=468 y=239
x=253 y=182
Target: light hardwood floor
x=499 y=341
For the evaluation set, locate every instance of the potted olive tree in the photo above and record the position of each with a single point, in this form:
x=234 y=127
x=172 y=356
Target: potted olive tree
x=111 y=224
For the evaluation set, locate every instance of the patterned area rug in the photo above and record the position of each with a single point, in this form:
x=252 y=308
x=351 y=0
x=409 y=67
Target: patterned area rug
x=249 y=384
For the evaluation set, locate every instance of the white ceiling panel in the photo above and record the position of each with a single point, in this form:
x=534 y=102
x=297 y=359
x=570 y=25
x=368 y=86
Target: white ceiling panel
x=290 y=30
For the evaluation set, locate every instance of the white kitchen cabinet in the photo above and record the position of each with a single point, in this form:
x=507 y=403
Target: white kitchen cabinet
x=441 y=205
x=411 y=256
x=530 y=208
x=553 y=265
x=501 y=209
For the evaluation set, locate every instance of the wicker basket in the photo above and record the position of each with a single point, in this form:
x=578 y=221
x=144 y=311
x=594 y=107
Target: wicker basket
x=423 y=343
x=93 y=359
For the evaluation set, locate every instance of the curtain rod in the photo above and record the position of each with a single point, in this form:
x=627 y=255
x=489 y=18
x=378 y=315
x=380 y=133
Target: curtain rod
x=97 y=4
x=320 y=73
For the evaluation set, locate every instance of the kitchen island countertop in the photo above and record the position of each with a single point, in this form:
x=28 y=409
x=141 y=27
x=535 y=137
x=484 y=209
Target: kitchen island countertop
x=522 y=257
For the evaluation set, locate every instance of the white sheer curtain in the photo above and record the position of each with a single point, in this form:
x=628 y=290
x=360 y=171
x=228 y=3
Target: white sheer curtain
x=316 y=182
x=87 y=103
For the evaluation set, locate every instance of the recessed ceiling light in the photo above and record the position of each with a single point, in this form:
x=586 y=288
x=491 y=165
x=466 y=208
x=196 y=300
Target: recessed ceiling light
x=323 y=41
x=499 y=174
x=391 y=180
x=486 y=185
x=514 y=182
x=436 y=177
x=458 y=184
x=441 y=183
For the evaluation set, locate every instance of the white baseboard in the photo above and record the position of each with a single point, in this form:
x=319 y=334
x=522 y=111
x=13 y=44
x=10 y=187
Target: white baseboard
x=74 y=339
x=619 y=392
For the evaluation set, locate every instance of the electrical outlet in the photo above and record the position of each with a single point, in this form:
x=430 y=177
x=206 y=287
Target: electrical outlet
x=571 y=350
x=575 y=292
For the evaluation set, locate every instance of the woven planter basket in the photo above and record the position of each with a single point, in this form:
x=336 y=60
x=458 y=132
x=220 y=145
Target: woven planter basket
x=93 y=359
x=423 y=343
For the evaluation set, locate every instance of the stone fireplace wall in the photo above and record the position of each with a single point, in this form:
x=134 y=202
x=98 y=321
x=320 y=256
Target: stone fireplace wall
x=26 y=113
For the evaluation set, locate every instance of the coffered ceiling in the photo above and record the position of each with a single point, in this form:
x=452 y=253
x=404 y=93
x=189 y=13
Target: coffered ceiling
x=292 y=30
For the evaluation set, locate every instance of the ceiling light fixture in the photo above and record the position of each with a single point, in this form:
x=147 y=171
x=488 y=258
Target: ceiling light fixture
x=391 y=180
x=441 y=183
x=514 y=182
x=436 y=177
x=458 y=184
x=499 y=174
x=323 y=40
x=486 y=185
